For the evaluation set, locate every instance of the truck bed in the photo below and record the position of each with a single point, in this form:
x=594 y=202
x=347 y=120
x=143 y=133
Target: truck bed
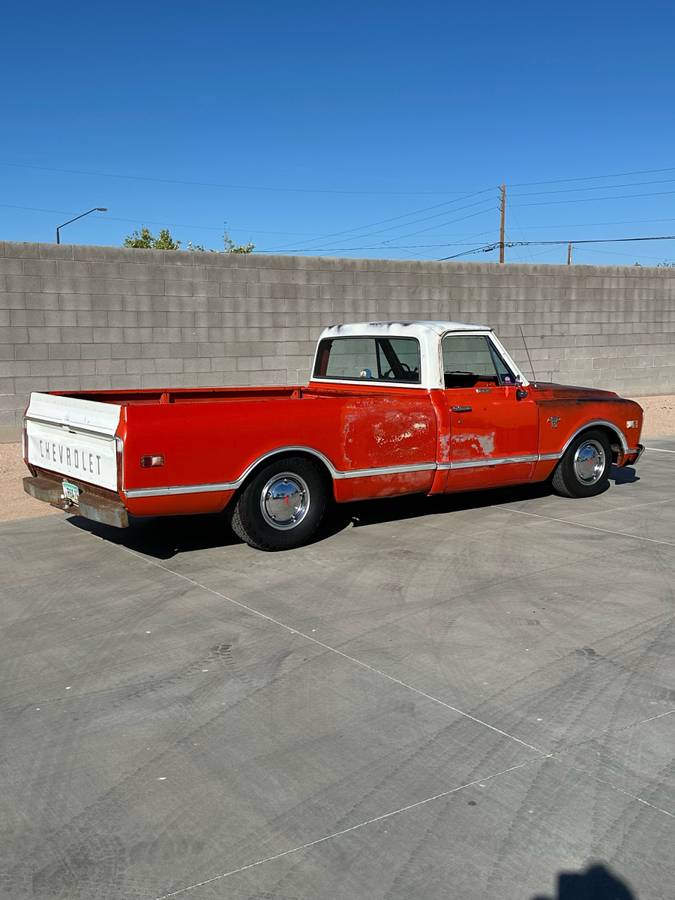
x=161 y=396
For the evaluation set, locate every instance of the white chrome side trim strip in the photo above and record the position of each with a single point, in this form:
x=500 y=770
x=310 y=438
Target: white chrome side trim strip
x=234 y=485
x=170 y=490
x=493 y=461
x=387 y=470
x=498 y=461
x=336 y=473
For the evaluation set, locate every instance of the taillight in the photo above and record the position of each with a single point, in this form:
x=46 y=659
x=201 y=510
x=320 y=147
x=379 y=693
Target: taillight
x=119 y=448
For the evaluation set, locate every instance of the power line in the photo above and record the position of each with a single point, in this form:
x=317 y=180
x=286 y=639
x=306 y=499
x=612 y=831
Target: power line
x=227 y=186
x=381 y=245
x=593 y=177
x=384 y=245
x=274 y=188
x=552 y=202
x=597 y=224
x=359 y=237
x=614 y=253
x=595 y=187
x=659 y=237
x=394 y=218
x=315 y=238
x=486 y=248
x=593 y=199
x=67 y=212
x=480 y=212
x=144 y=221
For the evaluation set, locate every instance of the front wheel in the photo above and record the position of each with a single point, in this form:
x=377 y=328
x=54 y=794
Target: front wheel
x=584 y=469
x=282 y=505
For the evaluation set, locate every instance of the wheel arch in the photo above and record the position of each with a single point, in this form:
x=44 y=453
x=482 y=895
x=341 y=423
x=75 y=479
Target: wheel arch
x=616 y=437
x=325 y=465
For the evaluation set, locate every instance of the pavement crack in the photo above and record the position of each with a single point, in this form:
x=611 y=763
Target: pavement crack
x=353 y=659
x=335 y=834
x=627 y=534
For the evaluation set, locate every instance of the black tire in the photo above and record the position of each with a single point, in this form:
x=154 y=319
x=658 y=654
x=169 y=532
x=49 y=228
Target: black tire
x=282 y=505
x=584 y=469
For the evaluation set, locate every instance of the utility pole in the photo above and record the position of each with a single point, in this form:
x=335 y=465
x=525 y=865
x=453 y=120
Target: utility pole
x=502 y=222
x=569 y=254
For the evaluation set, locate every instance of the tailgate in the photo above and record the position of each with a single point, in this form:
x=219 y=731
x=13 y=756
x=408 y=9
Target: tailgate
x=73 y=437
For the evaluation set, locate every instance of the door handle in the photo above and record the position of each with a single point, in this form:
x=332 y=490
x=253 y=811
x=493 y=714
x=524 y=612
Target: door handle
x=462 y=408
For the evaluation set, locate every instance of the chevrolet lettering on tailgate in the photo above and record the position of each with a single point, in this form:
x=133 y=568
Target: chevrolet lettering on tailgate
x=70 y=459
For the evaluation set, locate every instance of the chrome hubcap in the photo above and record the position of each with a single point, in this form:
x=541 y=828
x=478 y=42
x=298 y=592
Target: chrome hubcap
x=589 y=462
x=284 y=501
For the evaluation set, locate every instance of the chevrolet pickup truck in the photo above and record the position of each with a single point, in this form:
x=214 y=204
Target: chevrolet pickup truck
x=392 y=408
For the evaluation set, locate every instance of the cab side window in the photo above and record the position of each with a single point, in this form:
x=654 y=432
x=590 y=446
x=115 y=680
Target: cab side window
x=472 y=358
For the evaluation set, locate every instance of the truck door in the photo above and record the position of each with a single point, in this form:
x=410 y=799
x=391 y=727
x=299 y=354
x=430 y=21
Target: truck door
x=493 y=424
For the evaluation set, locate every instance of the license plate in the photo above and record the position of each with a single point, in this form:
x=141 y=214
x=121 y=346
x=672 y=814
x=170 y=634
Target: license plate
x=70 y=491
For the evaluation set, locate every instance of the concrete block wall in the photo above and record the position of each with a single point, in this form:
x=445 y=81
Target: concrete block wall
x=101 y=317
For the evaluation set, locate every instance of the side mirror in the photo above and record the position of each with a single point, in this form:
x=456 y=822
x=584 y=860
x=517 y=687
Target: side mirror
x=521 y=393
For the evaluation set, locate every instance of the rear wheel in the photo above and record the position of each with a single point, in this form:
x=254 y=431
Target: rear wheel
x=584 y=469
x=282 y=505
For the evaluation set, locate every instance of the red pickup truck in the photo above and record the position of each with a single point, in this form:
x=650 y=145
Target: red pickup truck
x=392 y=408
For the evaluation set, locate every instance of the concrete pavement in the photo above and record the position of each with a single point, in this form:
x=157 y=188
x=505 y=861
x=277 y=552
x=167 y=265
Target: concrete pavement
x=455 y=698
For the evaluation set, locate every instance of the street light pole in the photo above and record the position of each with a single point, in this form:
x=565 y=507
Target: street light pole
x=81 y=216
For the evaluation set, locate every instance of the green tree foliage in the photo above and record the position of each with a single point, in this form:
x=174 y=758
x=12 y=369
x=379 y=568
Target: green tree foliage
x=231 y=247
x=146 y=240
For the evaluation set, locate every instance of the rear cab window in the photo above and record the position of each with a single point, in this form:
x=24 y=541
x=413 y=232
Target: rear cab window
x=370 y=359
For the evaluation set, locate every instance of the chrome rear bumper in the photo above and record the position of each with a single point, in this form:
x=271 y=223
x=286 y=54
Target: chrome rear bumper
x=106 y=510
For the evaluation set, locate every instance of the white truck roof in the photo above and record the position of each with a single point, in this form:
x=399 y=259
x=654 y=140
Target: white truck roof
x=410 y=328
x=428 y=333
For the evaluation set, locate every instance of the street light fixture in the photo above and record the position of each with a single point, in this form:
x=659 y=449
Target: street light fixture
x=95 y=209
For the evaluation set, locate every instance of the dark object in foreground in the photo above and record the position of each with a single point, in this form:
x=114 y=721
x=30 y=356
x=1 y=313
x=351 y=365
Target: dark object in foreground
x=596 y=883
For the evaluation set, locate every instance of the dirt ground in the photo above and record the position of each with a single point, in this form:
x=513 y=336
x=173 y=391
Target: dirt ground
x=15 y=504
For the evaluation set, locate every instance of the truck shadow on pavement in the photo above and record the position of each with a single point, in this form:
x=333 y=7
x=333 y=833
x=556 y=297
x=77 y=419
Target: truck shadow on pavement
x=165 y=537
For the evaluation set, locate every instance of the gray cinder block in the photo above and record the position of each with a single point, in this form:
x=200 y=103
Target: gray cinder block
x=91 y=316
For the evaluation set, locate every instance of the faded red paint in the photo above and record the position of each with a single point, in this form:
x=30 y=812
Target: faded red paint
x=211 y=437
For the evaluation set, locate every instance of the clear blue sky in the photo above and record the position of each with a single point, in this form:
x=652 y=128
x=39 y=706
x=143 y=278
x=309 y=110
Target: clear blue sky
x=341 y=116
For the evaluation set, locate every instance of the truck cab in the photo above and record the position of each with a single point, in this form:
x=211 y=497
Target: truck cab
x=487 y=416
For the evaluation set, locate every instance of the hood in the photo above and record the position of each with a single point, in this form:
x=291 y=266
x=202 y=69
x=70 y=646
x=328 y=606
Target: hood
x=554 y=391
